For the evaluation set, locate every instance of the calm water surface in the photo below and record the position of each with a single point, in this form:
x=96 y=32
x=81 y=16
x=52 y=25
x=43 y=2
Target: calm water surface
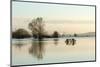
x=30 y=51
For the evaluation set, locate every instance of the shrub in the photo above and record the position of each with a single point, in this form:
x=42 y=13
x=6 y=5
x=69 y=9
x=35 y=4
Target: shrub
x=21 y=33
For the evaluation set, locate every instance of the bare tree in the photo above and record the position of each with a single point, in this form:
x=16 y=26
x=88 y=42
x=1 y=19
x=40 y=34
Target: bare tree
x=37 y=27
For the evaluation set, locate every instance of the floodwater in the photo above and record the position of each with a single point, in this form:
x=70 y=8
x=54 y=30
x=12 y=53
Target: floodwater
x=52 y=50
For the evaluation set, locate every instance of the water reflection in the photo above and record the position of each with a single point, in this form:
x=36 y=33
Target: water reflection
x=33 y=51
x=56 y=41
x=37 y=49
x=70 y=42
x=19 y=44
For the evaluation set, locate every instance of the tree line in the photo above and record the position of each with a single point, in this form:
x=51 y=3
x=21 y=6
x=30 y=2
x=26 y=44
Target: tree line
x=36 y=26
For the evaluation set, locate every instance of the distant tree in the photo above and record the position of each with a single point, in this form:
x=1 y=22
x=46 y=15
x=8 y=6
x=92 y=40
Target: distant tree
x=55 y=34
x=63 y=35
x=21 y=33
x=37 y=27
x=75 y=35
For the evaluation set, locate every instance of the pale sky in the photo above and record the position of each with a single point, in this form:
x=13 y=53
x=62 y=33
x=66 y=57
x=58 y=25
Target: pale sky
x=57 y=17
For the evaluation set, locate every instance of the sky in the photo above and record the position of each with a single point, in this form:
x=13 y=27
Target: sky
x=80 y=18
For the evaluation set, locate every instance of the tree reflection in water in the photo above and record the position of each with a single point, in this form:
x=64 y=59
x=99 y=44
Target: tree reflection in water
x=37 y=49
x=56 y=41
x=19 y=44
